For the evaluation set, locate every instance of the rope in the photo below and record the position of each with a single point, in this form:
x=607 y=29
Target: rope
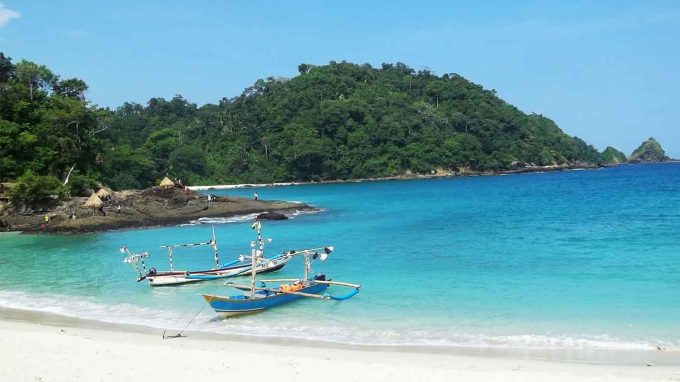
x=179 y=334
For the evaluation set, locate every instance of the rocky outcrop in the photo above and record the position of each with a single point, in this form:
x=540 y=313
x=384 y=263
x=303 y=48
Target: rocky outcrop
x=133 y=209
x=271 y=215
x=649 y=151
x=611 y=155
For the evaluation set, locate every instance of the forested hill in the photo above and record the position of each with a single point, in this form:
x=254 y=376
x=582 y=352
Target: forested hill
x=337 y=121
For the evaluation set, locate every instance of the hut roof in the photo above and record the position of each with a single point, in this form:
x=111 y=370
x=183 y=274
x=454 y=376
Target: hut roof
x=103 y=192
x=166 y=182
x=93 y=202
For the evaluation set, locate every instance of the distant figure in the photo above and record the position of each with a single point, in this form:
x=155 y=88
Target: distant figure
x=118 y=209
x=73 y=216
x=256 y=196
x=209 y=199
x=186 y=189
x=47 y=218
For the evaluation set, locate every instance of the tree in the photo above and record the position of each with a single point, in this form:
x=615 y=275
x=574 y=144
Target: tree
x=31 y=188
x=72 y=87
x=6 y=68
x=35 y=77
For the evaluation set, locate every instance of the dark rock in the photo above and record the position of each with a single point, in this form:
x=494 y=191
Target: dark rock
x=269 y=215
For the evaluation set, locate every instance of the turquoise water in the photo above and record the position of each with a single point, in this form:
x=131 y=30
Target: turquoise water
x=579 y=259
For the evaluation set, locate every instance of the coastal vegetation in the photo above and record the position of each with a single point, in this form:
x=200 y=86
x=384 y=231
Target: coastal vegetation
x=610 y=155
x=649 y=151
x=336 y=121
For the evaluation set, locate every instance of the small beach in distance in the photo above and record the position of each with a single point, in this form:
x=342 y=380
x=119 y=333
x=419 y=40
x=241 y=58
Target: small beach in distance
x=561 y=270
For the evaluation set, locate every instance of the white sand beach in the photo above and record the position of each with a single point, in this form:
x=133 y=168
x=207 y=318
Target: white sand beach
x=34 y=351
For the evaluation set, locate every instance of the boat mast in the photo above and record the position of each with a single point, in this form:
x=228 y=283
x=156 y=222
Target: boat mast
x=253 y=254
x=172 y=268
x=308 y=266
x=213 y=244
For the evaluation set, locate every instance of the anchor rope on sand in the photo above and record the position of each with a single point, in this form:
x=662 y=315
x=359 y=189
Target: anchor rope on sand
x=179 y=334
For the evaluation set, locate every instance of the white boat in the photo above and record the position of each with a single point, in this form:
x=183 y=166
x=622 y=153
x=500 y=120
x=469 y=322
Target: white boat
x=234 y=268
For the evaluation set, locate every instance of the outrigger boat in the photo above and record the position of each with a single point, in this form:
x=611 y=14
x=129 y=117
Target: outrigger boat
x=234 y=268
x=260 y=296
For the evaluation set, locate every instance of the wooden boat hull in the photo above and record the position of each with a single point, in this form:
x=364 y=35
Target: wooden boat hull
x=228 y=306
x=170 y=278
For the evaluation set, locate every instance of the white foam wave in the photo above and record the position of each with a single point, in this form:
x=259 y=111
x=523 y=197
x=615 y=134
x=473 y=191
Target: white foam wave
x=125 y=313
x=231 y=219
x=305 y=212
x=245 y=218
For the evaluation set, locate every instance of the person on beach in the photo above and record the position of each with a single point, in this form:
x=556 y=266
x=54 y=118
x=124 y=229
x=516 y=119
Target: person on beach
x=255 y=196
x=209 y=199
x=47 y=218
x=118 y=209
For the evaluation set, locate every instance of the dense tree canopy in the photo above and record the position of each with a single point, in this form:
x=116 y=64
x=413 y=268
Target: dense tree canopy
x=337 y=121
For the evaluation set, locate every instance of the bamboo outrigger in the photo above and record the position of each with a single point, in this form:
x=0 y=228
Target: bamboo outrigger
x=260 y=297
x=234 y=268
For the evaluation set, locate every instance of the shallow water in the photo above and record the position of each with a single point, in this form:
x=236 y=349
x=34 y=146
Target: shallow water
x=577 y=259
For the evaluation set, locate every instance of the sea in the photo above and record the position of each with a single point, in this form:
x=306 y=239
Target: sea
x=560 y=260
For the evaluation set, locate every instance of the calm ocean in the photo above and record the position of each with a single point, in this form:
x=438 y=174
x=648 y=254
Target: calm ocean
x=577 y=259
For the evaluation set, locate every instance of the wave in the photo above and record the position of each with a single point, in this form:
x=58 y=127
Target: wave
x=231 y=219
x=126 y=313
x=245 y=218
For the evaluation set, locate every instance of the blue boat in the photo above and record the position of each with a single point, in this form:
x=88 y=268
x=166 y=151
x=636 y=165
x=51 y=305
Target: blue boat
x=262 y=299
x=261 y=296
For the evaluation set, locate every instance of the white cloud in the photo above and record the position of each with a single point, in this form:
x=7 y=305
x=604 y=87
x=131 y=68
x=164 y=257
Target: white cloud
x=6 y=15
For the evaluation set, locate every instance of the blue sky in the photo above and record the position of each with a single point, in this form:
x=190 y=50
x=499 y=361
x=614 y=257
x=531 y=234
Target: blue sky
x=606 y=71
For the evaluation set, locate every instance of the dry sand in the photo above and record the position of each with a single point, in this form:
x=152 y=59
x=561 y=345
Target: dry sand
x=33 y=351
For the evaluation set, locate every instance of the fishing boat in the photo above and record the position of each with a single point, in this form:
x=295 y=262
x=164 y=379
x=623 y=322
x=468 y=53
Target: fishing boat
x=234 y=268
x=260 y=296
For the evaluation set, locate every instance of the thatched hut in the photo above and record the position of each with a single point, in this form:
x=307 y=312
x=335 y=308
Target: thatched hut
x=104 y=193
x=93 y=202
x=167 y=183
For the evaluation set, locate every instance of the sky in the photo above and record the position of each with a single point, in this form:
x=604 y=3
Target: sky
x=605 y=71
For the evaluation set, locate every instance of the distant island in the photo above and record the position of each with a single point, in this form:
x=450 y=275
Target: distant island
x=649 y=151
x=339 y=121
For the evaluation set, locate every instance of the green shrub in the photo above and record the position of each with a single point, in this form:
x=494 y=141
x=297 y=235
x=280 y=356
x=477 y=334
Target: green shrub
x=81 y=185
x=33 y=188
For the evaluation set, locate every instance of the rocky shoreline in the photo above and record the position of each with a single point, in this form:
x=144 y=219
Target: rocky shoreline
x=138 y=208
x=409 y=176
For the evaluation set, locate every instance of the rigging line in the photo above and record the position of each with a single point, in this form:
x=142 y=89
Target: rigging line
x=179 y=334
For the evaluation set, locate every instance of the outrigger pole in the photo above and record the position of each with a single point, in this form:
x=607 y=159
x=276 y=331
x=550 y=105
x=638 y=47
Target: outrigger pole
x=310 y=254
x=133 y=258
x=212 y=242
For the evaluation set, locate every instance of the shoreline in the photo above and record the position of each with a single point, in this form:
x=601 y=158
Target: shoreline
x=445 y=174
x=153 y=207
x=614 y=357
x=47 y=350
x=441 y=175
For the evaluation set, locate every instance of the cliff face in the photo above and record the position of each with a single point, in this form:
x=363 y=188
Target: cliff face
x=649 y=151
x=611 y=155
